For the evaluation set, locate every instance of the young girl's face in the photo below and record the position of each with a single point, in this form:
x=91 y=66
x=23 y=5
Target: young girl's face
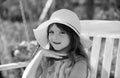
x=58 y=38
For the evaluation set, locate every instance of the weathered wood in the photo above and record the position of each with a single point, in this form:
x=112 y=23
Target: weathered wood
x=117 y=69
x=107 y=58
x=94 y=58
x=13 y=65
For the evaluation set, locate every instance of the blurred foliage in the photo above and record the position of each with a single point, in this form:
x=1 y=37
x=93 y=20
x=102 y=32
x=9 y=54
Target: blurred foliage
x=86 y=9
x=11 y=9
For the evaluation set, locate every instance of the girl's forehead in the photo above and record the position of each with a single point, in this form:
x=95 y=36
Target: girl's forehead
x=56 y=27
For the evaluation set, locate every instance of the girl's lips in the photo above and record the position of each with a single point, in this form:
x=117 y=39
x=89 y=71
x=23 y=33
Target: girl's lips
x=56 y=42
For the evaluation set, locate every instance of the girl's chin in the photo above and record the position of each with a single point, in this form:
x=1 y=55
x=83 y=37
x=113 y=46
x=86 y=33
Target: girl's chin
x=58 y=50
x=62 y=50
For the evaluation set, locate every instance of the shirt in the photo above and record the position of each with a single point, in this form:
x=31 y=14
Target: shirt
x=64 y=69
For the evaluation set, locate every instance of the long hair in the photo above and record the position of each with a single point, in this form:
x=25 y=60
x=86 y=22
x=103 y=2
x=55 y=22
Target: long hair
x=77 y=50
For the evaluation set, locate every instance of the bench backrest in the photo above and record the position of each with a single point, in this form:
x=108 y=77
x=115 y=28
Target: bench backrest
x=105 y=50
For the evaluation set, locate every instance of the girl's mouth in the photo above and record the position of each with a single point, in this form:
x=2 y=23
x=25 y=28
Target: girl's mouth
x=57 y=43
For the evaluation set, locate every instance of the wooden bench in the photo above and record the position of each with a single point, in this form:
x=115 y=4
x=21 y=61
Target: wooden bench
x=104 y=53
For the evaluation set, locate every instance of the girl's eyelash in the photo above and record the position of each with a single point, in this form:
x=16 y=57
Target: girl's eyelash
x=62 y=32
x=51 y=32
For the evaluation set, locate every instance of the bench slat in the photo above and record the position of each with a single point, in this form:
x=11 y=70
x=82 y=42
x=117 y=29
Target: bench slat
x=117 y=69
x=95 y=56
x=107 y=58
x=13 y=65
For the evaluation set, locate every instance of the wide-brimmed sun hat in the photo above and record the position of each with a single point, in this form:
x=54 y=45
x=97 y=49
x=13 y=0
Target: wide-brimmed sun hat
x=63 y=16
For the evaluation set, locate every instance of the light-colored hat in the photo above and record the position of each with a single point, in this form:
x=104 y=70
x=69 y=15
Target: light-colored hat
x=63 y=16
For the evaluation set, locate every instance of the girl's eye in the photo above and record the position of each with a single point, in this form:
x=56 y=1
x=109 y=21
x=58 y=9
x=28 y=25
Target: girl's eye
x=51 y=32
x=63 y=32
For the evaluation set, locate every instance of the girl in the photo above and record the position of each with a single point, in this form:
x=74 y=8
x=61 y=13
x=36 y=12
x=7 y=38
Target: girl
x=62 y=53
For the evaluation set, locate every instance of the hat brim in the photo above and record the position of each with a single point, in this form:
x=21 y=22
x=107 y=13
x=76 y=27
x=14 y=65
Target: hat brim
x=41 y=33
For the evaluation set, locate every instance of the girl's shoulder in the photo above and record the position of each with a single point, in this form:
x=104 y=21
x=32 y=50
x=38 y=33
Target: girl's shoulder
x=80 y=63
x=79 y=69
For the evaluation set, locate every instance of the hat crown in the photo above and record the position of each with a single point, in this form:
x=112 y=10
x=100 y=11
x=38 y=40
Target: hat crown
x=68 y=17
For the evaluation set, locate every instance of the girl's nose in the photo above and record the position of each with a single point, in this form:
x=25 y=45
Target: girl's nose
x=56 y=37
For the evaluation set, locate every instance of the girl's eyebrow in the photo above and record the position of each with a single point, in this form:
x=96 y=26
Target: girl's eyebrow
x=64 y=31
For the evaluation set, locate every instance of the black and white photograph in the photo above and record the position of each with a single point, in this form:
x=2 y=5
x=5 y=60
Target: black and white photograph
x=59 y=38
